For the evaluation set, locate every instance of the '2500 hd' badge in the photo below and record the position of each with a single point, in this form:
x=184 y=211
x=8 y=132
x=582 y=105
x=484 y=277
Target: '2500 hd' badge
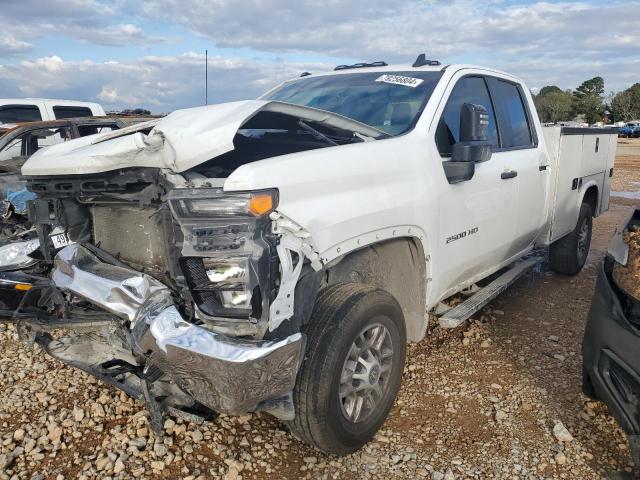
x=460 y=235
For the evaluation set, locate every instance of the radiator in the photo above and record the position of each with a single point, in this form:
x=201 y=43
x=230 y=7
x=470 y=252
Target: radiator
x=135 y=235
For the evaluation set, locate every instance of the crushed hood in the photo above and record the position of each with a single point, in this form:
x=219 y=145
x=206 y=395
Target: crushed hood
x=178 y=142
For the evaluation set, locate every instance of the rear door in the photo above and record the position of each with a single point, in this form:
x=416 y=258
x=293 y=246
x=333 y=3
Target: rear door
x=478 y=217
x=520 y=151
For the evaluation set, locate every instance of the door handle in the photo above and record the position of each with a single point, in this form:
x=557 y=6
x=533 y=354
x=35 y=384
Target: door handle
x=508 y=174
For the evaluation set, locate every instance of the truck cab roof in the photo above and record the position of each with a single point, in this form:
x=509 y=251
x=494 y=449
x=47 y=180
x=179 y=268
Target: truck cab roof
x=407 y=68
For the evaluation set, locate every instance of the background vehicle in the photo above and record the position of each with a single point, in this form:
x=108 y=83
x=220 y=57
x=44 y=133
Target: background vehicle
x=19 y=142
x=626 y=131
x=276 y=254
x=18 y=110
x=635 y=133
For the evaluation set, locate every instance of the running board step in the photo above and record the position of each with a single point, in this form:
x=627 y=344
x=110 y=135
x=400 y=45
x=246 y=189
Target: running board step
x=461 y=312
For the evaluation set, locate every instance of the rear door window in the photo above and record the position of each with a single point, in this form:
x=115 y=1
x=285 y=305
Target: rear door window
x=468 y=90
x=19 y=113
x=515 y=129
x=71 y=112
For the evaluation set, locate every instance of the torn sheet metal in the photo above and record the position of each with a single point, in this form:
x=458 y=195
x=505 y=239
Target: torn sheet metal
x=293 y=240
x=226 y=374
x=178 y=142
x=116 y=289
x=286 y=227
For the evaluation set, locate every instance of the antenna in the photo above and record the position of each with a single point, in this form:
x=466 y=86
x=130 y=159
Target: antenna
x=206 y=77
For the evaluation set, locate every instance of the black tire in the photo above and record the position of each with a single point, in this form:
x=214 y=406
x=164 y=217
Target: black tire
x=569 y=254
x=342 y=313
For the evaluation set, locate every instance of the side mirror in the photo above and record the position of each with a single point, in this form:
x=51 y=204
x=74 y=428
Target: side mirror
x=473 y=146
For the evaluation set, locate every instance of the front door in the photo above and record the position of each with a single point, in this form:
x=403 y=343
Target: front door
x=478 y=217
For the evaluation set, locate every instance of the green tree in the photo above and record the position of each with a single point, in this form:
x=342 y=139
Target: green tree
x=625 y=105
x=548 y=89
x=588 y=99
x=554 y=105
x=622 y=106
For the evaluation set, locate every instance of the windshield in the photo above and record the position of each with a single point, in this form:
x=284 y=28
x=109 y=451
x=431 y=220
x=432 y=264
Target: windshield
x=389 y=101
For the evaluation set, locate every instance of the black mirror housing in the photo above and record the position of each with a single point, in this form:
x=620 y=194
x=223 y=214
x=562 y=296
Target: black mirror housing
x=471 y=152
x=473 y=146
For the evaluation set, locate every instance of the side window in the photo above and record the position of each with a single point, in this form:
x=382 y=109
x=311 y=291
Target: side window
x=30 y=142
x=467 y=90
x=71 y=112
x=19 y=113
x=512 y=118
x=44 y=137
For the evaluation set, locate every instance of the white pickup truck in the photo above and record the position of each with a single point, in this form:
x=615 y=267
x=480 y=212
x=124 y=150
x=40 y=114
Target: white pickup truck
x=277 y=254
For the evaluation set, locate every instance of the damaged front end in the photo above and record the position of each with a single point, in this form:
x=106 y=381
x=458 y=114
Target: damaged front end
x=165 y=291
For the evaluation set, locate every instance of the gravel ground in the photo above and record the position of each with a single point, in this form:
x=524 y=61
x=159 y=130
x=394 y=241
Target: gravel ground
x=497 y=398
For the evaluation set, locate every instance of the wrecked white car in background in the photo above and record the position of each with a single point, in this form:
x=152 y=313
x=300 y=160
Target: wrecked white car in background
x=276 y=255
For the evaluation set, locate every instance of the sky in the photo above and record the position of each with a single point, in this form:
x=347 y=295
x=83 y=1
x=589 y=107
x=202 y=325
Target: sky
x=150 y=54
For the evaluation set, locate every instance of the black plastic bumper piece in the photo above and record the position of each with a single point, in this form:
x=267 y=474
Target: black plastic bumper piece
x=611 y=351
x=12 y=298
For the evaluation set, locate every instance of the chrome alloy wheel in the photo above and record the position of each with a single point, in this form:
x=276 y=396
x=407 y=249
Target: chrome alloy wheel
x=365 y=374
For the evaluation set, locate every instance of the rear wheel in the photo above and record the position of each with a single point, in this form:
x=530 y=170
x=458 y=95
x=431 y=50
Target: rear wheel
x=569 y=254
x=352 y=370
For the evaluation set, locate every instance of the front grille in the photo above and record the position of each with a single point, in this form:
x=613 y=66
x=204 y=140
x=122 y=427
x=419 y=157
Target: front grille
x=134 y=235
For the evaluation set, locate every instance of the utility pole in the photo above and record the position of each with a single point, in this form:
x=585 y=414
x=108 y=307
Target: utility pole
x=206 y=77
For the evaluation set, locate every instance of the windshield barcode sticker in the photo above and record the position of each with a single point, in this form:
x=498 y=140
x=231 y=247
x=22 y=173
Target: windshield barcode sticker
x=400 y=80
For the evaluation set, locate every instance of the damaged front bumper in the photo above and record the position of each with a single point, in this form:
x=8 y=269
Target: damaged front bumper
x=145 y=346
x=226 y=374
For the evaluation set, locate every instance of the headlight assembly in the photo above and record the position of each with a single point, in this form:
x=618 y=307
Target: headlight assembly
x=226 y=250
x=215 y=203
x=15 y=256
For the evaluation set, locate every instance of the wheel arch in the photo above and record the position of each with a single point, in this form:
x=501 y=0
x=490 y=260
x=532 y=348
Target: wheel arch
x=397 y=265
x=592 y=197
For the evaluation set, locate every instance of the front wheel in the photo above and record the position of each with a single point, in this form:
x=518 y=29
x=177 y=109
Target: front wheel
x=569 y=254
x=352 y=369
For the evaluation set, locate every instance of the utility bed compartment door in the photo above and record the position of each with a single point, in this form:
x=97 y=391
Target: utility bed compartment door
x=608 y=174
x=580 y=157
x=565 y=214
x=595 y=149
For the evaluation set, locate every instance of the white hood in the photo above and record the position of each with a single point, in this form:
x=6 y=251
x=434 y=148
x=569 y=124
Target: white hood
x=178 y=142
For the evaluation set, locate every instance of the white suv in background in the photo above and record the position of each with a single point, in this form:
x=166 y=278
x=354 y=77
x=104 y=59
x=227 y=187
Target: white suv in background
x=17 y=110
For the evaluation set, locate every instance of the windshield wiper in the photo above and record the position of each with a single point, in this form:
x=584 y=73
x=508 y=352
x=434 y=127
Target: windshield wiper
x=316 y=133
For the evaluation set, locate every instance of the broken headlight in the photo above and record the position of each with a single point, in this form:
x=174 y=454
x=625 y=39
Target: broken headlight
x=15 y=256
x=226 y=249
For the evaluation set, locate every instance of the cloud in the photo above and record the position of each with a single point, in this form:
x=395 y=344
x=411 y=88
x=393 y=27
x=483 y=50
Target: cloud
x=92 y=21
x=10 y=45
x=160 y=83
x=355 y=28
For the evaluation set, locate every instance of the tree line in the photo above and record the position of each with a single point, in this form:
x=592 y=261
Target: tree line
x=588 y=100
